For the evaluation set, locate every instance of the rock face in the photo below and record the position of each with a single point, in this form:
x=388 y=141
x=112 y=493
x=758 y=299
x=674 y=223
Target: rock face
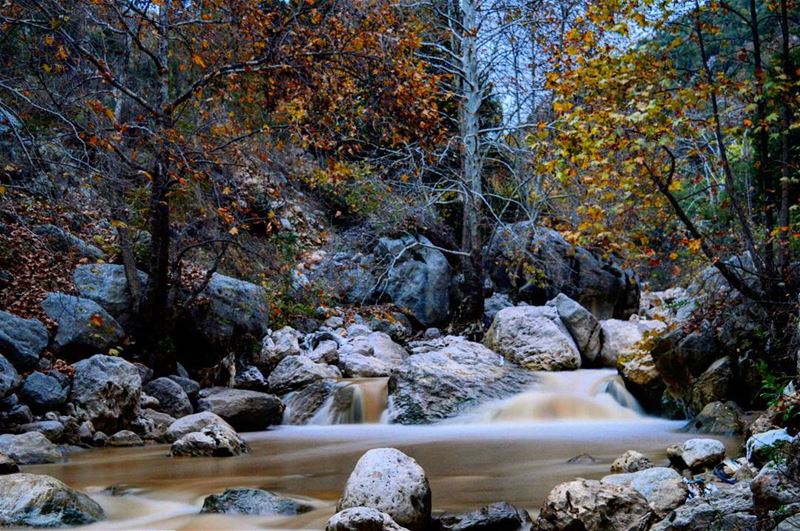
x=254 y=502
x=535 y=264
x=244 y=410
x=43 y=392
x=193 y=423
x=663 y=488
x=533 y=337
x=107 y=285
x=235 y=306
x=582 y=325
x=31 y=448
x=172 y=399
x=362 y=519
x=494 y=517
x=418 y=278
x=22 y=340
x=82 y=323
x=106 y=391
x=591 y=506
x=42 y=501
x=630 y=461
x=9 y=377
x=215 y=440
x=444 y=377
x=714 y=384
x=696 y=454
x=728 y=508
x=621 y=339
x=294 y=372
x=389 y=481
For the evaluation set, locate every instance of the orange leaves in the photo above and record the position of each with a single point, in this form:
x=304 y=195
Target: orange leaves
x=198 y=60
x=96 y=321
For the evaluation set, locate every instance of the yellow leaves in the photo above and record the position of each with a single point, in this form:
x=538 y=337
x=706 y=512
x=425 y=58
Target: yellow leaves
x=562 y=106
x=62 y=54
x=2 y=189
x=233 y=231
x=198 y=60
x=694 y=245
x=49 y=40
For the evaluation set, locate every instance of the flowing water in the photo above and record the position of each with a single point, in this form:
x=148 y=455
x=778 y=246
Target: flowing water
x=512 y=450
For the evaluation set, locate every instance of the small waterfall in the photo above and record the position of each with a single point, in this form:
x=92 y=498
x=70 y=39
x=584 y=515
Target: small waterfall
x=589 y=394
x=354 y=401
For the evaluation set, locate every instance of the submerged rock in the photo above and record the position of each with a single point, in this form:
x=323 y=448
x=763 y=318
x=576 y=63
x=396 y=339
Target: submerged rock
x=244 y=410
x=362 y=519
x=253 y=502
x=630 y=461
x=388 y=480
x=215 y=440
x=42 y=501
x=494 y=517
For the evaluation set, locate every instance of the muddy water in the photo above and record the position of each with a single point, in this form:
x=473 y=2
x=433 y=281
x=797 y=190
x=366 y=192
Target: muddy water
x=507 y=452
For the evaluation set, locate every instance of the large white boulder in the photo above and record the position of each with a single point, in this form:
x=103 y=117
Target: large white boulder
x=623 y=338
x=663 y=488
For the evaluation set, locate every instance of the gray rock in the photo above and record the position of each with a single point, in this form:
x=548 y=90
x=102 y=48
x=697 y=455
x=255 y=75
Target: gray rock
x=9 y=377
x=582 y=325
x=355 y=365
x=642 y=379
x=432 y=333
x=295 y=372
x=326 y=351
x=494 y=517
x=31 y=448
x=215 y=440
x=52 y=429
x=99 y=438
x=762 y=447
x=492 y=305
x=730 y=507
x=358 y=330
x=125 y=438
x=719 y=418
x=333 y=322
x=303 y=404
x=533 y=337
x=391 y=482
x=82 y=323
x=253 y=502
x=775 y=487
x=277 y=346
x=235 y=306
x=386 y=350
x=189 y=386
x=60 y=240
x=448 y=376
x=663 y=488
x=7 y=465
x=107 y=285
x=193 y=423
x=630 y=461
x=44 y=392
x=153 y=424
x=362 y=519
x=713 y=385
x=171 y=397
x=622 y=339
x=106 y=391
x=244 y=410
x=251 y=378
x=697 y=454
x=42 y=501
x=22 y=340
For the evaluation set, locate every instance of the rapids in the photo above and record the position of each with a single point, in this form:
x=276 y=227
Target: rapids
x=511 y=450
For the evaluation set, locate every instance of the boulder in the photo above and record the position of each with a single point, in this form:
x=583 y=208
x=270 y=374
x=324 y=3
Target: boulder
x=395 y=324
x=244 y=410
x=447 y=376
x=214 y=440
x=534 y=264
x=728 y=507
x=718 y=418
x=774 y=487
x=107 y=285
x=326 y=351
x=31 y=448
x=763 y=447
x=592 y=506
x=492 y=305
x=277 y=346
x=7 y=465
x=60 y=240
x=714 y=384
x=189 y=386
x=386 y=350
x=355 y=365
x=302 y=405
x=696 y=454
x=582 y=325
x=392 y=482
x=235 y=307
x=153 y=425
x=52 y=429
x=171 y=397
x=680 y=358
x=362 y=519
x=622 y=339
x=106 y=391
x=42 y=501
x=250 y=378
x=663 y=488
x=295 y=372
x=22 y=340
x=494 y=517
x=124 y=438
x=630 y=461
x=9 y=377
x=253 y=502
x=82 y=323
x=533 y=337
x=638 y=371
x=417 y=279
x=192 y=423
x=43 y=392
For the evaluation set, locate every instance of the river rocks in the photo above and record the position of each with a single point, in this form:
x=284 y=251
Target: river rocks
x=295 y=372
x=719 y=418
x=389 y=481
x=302 y=405
x=234 y=306
x=447 y=376
x=82 y=323
x=714 y=384
x=9 y=377
x=22 y=340
x=153 y=424
x=622 y=339
x=775 y=486
x=533 y=337
x=663 y=488
x=276 y=346
x=362 y=519
x=355 y=365
x=60 y=240
x=52 y=429
x=494 y=517
x=107 y=285
x=43 y=392
x=214 y=440
x=630 y=461
x=171 y=397
x=124 y=438
x=494 y=304
x=42 y=501
x=762 y=447
x=729 y=507
x=697 y=454
x=192 y=423
x=106 y=391
x=244 y=410
x=250 y=378
x=591 y=506
x=326 y=351
x=31 y=448
x=386 y=350
x=417 y=279
x=638 y=371
x=582 y=325
x=7 y=465
x=253 y=502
